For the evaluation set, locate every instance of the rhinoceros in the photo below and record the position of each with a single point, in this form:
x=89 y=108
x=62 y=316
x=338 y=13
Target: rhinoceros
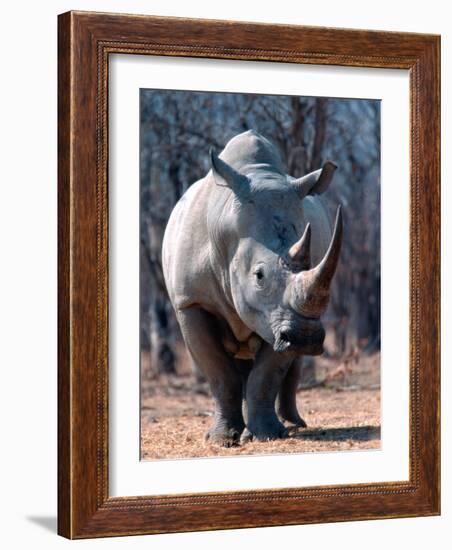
x=249 y=254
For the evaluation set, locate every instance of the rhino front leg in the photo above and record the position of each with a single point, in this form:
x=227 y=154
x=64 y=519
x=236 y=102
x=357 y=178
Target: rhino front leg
x=263 y=384
x=203 y=341
x=287 y=396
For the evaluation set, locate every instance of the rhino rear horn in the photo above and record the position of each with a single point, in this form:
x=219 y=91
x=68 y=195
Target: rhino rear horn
x=317 y=182
x=226 y=176
x=300 y=253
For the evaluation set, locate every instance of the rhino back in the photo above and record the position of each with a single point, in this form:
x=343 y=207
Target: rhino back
x=251 y=148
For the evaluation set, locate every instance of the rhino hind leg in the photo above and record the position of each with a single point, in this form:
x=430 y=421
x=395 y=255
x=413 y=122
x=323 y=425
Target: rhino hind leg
x=262 y=387
x=201 y=337
x=244 y=367
x=287 y=396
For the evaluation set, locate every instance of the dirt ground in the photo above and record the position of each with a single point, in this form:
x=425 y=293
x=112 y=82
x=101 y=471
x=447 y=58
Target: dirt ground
x=342 y=411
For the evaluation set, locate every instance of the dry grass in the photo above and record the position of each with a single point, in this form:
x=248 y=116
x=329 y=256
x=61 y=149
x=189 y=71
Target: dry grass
x=342 y=414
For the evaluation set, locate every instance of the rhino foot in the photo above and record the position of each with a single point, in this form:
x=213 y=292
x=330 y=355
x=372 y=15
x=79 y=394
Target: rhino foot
x=224 y=436
x=264 y=431
x=292 y=418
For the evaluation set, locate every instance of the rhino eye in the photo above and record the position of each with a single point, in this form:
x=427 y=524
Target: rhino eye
x=259 y=274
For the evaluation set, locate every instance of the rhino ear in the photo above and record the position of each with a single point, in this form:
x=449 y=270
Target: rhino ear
x=315 y=183
x=225 y=175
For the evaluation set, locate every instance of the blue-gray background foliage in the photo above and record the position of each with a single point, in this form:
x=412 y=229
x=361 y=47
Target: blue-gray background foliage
x=178 y=128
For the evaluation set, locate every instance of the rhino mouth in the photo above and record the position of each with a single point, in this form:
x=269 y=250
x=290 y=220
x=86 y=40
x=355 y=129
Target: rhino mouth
x=304 y=340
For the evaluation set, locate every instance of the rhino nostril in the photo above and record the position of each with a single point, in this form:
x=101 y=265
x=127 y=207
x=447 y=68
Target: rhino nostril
x=284 y=336
x=282 y=342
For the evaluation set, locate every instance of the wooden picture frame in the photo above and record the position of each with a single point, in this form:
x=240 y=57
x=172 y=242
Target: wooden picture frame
x=85 y=42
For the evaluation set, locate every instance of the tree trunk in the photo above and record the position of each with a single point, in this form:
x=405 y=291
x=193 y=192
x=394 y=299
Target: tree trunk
x=319 y=134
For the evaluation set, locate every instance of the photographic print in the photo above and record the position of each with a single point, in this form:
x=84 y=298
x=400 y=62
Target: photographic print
x=230 y=241
x=259 y=274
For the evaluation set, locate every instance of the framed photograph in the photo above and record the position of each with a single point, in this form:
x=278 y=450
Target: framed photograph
x=248 y=275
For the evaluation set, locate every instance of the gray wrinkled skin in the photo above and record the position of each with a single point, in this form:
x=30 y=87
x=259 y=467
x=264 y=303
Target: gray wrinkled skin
x=243 y=303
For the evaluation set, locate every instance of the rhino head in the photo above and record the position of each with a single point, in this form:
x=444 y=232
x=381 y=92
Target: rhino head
x=280 y=265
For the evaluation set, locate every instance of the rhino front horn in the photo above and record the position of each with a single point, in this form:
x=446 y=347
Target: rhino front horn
x=312 y=287
x=324 y=271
